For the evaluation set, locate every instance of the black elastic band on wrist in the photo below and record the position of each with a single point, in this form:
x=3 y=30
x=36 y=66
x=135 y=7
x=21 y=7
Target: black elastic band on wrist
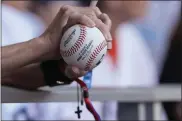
x=52 y=73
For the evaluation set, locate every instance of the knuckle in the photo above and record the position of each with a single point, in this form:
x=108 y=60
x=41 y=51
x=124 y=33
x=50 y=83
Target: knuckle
x=66 y=13
x=95 y=9
x=105 y=15
x=83 y=17
x=92 y=13
x=69 y=12
x=91 y=16
x=66 y=8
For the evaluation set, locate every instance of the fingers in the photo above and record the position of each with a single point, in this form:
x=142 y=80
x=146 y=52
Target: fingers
x=104 y=29
x=103 y=22
x=62 y=18
x=106 y=20
x=71 y=17
x=97 y=11
x=76 y=18
x=90 y=16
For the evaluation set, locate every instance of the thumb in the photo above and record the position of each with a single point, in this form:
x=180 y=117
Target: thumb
x=74 y=72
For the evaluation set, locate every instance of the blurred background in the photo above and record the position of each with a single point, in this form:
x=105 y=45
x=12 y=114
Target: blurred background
x=141 y=31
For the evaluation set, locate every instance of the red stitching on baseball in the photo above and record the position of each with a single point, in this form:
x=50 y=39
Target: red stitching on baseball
x=78 y=43
x=97 y=50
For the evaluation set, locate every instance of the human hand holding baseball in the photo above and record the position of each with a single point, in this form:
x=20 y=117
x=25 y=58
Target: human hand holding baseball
x=67 y=17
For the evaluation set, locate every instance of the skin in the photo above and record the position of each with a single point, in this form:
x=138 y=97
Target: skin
x=21 y=60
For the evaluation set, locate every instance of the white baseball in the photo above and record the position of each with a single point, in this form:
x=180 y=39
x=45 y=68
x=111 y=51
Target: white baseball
x=83 y=47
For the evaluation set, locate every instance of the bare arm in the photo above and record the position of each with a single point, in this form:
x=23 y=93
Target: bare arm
x=46 y=47
x=28 y=77
x=32 y=76
x=19 y=55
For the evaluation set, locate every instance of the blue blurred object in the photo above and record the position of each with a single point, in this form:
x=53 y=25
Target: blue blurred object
x=22 y=112
x=88 y=79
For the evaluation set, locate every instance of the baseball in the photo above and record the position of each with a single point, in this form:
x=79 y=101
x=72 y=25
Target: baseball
x=83 y=47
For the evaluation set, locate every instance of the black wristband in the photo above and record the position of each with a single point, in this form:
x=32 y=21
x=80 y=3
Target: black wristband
x=52 y=74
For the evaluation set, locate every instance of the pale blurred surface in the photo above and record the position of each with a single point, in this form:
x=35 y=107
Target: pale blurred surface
x=141 y=31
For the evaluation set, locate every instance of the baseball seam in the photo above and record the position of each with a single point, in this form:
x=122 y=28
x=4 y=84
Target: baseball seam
x=78 y=43
x=92 y=57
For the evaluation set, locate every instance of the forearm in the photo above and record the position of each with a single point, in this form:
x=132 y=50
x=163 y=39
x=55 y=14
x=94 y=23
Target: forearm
x=36 y=75
x=27 y=77
x=21 y=54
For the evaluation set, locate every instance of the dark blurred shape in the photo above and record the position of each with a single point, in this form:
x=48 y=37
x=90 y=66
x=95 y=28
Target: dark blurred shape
x=171 y=72
x=85 y=2
x=22 y=111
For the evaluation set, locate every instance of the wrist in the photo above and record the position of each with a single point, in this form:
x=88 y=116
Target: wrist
x=53 y=75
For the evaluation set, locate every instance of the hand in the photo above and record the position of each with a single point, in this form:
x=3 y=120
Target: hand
x=67 y=17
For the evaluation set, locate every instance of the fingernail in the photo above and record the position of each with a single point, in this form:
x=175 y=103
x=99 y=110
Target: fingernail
x=109 y=45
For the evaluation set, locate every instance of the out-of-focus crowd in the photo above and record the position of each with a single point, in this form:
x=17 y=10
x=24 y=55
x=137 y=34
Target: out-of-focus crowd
x=141 y=33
